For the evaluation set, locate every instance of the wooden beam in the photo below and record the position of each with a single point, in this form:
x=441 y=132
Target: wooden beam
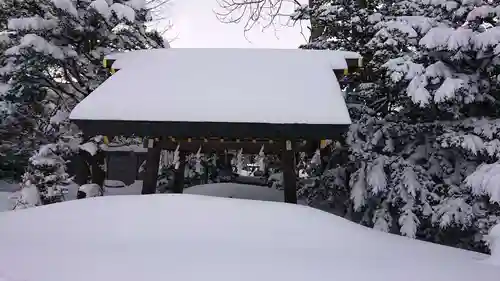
x=151 y=169
x=288 y=168
x=354 y=63
x=271 y=147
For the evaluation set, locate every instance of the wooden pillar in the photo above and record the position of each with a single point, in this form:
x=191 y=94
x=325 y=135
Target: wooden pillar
x=179 y=174
x=205 y=174
x=288 y=168
x=82 y=170
x=98 y=174
x=152 y=166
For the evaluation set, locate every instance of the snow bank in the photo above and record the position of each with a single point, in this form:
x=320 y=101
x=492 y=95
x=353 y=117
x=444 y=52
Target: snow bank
x=494 y=235
x=89 y=190
x=9 y=186
x=6 y=190
x=188 y=237
x=5 y=202
x=241 y=191
x=219 y=85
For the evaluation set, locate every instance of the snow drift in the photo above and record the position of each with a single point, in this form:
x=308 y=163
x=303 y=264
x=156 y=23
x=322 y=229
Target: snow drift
x=192 y=237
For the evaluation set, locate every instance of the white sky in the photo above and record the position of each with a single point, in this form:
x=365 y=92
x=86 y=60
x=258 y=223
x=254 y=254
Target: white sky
x=196 y=26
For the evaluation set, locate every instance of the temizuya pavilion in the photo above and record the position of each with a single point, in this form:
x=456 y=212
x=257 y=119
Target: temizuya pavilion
x=221 y=99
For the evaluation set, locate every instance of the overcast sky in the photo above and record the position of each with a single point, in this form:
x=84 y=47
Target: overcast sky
x=196 y=26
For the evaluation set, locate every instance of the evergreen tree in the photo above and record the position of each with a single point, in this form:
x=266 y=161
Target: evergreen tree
x=424 y=109
x=54 y=60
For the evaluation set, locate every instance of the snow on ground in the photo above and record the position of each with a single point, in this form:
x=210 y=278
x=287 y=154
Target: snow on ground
x=114 y=188
x=5 y=203
x=283 y=75
x=6 y=189
x=240 y=191
x=190 y=237
x=225 y=190
x=8 y=186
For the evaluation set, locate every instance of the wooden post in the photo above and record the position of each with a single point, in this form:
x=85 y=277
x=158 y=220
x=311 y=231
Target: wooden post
x=82 y=169
x=98 y=174
x=288 y=168
x=179 y=174
x=152 y=166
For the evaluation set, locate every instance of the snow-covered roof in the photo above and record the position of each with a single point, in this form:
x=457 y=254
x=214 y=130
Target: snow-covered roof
x=240 y=86
x=189 y=237
x=121 y=60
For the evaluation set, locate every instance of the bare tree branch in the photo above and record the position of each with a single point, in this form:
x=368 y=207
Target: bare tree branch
x=159 y=12
x=265 y=13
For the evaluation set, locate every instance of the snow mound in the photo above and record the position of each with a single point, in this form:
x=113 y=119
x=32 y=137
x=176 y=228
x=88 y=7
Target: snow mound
x=114 y=184
x=89 y=190
x=240 y=191
x=189 y=237
x=5 y=202
x=495 y=245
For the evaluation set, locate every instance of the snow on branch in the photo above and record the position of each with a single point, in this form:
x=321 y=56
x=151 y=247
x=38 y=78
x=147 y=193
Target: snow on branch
x=136 y=4
x=465 y=39
x=486 y=181
x=39 y=44
x=400 y=26
x=123 y=11
x=403 y=68
x=447 y=84
x=482 y=12
x=471 y=143
x=66 y=5
x=453 y=210
x=32 y=23
x=102 y=7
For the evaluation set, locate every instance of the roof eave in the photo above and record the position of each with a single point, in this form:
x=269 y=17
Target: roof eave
x=211 y=129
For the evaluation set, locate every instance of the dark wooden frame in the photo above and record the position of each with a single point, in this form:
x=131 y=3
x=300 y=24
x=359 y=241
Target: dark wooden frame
x=301 y=137
x=210 y=129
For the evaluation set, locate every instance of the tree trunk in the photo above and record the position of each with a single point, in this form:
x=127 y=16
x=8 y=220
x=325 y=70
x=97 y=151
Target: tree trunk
x=316 y=28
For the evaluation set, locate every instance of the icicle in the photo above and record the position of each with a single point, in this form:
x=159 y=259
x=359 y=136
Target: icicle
x=177 y=158
x=198 y=166
x=262 y=164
